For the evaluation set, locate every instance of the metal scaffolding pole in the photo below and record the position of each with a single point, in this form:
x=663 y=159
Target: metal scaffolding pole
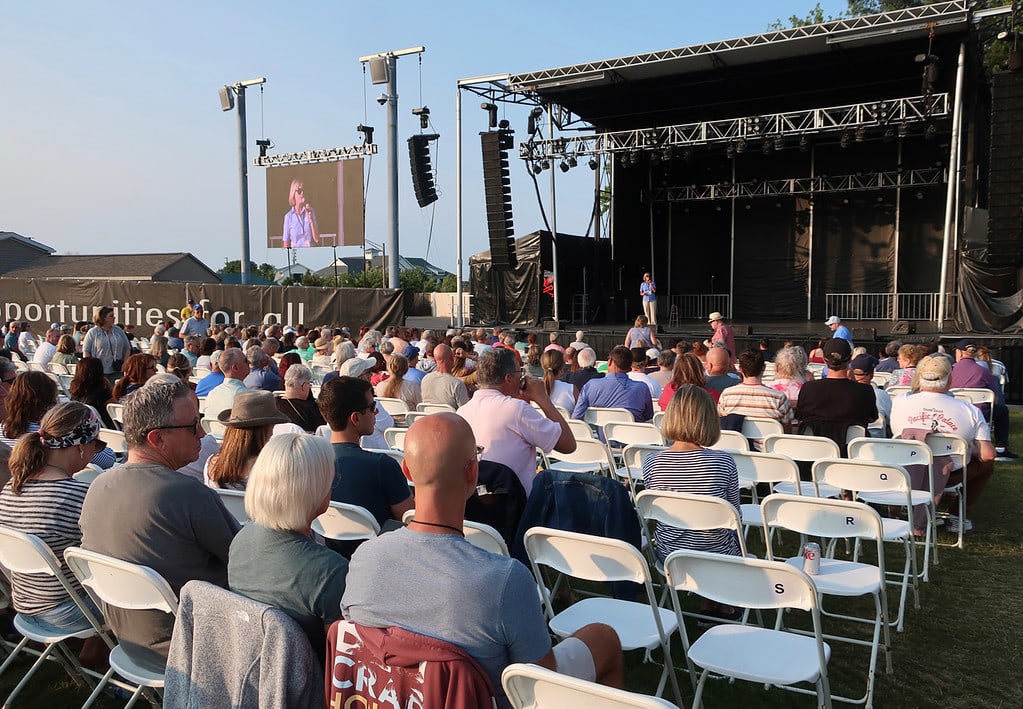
x=554 y=229
x=459 y=315
x=953 y=176
x=392 y=169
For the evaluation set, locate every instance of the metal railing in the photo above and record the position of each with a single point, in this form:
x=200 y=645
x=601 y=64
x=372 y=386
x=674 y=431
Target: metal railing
x=889 y=306
x=699 y=305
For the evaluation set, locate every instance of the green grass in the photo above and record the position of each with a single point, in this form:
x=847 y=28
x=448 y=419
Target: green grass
x=961 y=649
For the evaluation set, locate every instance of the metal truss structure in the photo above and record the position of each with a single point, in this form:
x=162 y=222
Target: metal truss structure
x=851 y=29
x=887 y=113
x=803 y=185
x=309 y=157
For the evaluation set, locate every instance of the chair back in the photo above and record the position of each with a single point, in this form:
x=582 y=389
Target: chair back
x=214 y=428
x=758 y=428
x=801 y=447
x=535 y=687
x=598 y=415
x=880 y=379
x=89 y=473
x=121 y=583
x=428 y=408
x=585 y=556
x=581 y=430
x=116 y=414
x=951 y=445
x=57 y=368
x=397 y=456
x=395 y=437
x=234 y=501
x=891 y=450
x=863 y=475
x=755 y=468
x=588 y=452
x=685 y=510
x=344 y=522
x=894 y=391
x=632 y=432
x=822 y=517
x=412 y=416
x=658 y=420
x=485 y=537
x=24 y=553
x=731 y=441
x=393 y=406
x=115 y=441
x=976 y=396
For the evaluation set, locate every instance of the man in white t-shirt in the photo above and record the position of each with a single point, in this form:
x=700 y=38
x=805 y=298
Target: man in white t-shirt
x=932 y=409
x=44 y=353
x=638 y=373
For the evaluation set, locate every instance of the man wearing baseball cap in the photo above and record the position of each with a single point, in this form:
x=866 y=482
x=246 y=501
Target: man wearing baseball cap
x=861 y=369
x=827 y=407
x=838 y=329
x=415 y=374
x=968 y=373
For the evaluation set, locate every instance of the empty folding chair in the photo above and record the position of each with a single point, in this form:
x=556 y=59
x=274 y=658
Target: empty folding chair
x=770 y=657
x=597 y=416
x=129 y=586
x=234 y=501
x=619 y=434
x=762 y=469
x=22 y=553
x=116 y=413
x=894 y=391
x=731 y=441
x=867 y=477
x=756 y=429
x=592 y=558
x=803 y=449
x=581 y=430
x=535 y=687
x=836 y=519
x=57 y=368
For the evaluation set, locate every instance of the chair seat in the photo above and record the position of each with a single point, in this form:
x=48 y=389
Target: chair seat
x=132 y=671
x=806 y=489
x=896 y=498
x=751 y=515
x=623 y=472
x=895 y=529
x=34 y=630
x=567 y=466
x=632 y=621
x=758 y=654
x=843 y=578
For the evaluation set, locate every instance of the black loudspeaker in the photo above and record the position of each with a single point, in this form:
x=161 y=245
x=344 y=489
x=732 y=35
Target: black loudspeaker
x=1005 y=201
x=497 y=190
x=862 y=334
x=903 y=327
x=422 y=170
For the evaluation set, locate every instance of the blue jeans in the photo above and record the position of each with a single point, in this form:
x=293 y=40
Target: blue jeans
x=67 y=617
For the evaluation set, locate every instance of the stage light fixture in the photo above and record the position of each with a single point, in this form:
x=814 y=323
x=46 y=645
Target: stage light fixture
x=740 y=145
x=490 y=108
x=687 y=154
x=667 y=154
x=903 y=130
x=531 y=125
x=804 y=144
x=861 y=133
x=263 y=144
x=623 y=160
x=592 y=163
x=765 y=148
x=1006 y=36
x=563 y=166
x=779 y=142
x=572 y=162
x=537 y=169
x=545 y=164
x=730 y=151
x=634 y=157
x=843 y=141
x=889 y=134
x=931 y=132
x=367 y=133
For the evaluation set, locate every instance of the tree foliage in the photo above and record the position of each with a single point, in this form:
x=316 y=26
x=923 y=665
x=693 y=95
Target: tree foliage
x=265 y=270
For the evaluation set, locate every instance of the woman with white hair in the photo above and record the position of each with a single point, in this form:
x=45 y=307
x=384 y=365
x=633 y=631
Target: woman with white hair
x=790 y=372
x=274 y=559
x=298 y=403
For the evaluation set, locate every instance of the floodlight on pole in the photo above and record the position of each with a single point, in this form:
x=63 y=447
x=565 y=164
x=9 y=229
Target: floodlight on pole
x=229 y=96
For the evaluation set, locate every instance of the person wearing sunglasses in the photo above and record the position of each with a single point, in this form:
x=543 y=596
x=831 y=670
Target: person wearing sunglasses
x=300 y=226
x=145 y=512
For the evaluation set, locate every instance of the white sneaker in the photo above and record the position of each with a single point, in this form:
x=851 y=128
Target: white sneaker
x=952 y=525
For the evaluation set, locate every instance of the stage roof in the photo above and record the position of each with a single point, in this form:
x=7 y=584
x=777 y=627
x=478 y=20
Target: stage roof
x=862 y=58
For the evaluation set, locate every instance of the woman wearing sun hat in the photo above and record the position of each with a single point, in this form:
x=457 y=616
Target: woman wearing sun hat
x=250 y=423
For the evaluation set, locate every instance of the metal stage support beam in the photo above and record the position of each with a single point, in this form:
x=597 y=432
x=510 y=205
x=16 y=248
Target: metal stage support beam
x=890 y=113
x=309 y=157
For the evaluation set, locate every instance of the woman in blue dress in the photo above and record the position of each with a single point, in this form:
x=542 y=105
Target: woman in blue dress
x=300 y=227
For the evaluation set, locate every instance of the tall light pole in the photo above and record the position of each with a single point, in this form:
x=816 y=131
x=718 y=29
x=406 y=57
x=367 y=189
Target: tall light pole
x=383 y=70
x=227 y=101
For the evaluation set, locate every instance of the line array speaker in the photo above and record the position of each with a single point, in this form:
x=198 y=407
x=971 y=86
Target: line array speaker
x=1005 y=207
x=422 y=170
x=497 y=190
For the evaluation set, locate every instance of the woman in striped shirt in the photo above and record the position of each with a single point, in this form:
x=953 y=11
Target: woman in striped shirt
x=691 y=420
x=42 y=498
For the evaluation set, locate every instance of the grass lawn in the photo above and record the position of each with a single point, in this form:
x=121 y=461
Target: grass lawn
x=960 y=649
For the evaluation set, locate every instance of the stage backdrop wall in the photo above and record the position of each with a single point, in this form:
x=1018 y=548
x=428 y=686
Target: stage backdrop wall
x=145 y=304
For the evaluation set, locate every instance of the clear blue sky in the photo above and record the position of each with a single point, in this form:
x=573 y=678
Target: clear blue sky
x=112 y=137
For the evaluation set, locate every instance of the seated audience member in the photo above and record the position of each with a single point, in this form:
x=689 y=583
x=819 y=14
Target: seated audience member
x=484 y=603
x=206 y=349
x=398 y=385
x=212 y=380
x=250 y=423
x=579 y=344
x=274 y=559
x=790 y=373
x=929 y=410
x=65 y=353
x=638 y=372
x=586 y=361
x=553 y=345
x=126 y=513
x=665 y=365
x=909 y=355
x=440 y=386
x=235 y=368
x=370 y=480
x=298 y=403
x=890 y=362
x=765 y=349
x=137 y=369
x=688 y=370
x=261 y=375
x=641 y=335
x=45 y=352
x=861 y=369
x=750 y=397
x=178 y=366
x=967 y=372
x=174 y=340
x=562 y=393
x=42 y=498
x=8 y=373
x=89 y=386
x=689 y=465
x=616 y=390
x=192 y=349
x=159 y=351
x=816 y=354
x=827 y=407
x=719 y=372
x=532 y=364
x=504 y=423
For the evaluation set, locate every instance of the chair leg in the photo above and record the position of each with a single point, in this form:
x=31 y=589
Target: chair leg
x=28 y=675
x=99 y=688
x=698 y=698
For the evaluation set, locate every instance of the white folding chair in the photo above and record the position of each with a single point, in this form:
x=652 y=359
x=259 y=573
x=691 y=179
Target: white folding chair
x=976 y=396
x=398 y=456
x=769 y=657
x=123 y=585
x=895 y=391
x=57 y=368
x=476 y=533
x=395 y=407
x=835 y=519
x=35 y=366
x=756 y=429
x=234 y=501
x=581 y=430
x=535 y=687
x=565 y=413
x=881 y=379
x=412 y=416
x=323 y=431
x=213 y=428
x=904 y=453
x=598 y=416
x=89 y=473
x=869 y=477
x=590 y=456
x=658 y=420
x=116 y=442
x=427 y=408
x=23 y=553
x=762 y=469
x=116 y=414
x=395 y=437
x=807 y=449
x=619 y=434
x=343 y=522
x=731 y=441
x=64 y=380
x=584 y=556
x=956 y=447
x=632 y=464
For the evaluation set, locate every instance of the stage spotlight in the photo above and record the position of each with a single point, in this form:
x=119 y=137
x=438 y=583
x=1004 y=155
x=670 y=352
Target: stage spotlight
x=537 y=169
x=730 y=151
x=623 y=160
x=1006 y=36
x=572 y=162
x=779 y=142
x=563 y=166
x=634 y=157
x=490 y=108
x=889 y=134
x=592 y=163
x=687 y=154
x=545 y=164
x=766 y=148
x=804 y=144
x=655 y=158
x=667 y=154
x=861 y=133
x=531 y=125
x=844 y=140
x=903 y=130
x=930 y=132
x=740 y=145
x=919 y=194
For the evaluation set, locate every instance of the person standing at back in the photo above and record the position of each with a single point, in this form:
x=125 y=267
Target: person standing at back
x=648 y=292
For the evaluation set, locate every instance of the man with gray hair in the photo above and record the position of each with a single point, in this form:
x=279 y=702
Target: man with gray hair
x=235 y=368
x=146 y=513
x=260 y=375
x=665 y=366
x=505 y=424
x=45 y=351
x=587 y=361
x=579 y=344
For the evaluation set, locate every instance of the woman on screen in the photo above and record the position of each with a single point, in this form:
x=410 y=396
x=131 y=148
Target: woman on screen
x=300 y=228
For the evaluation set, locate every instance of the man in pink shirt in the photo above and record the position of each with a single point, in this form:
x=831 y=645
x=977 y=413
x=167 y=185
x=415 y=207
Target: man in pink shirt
x=505 y=424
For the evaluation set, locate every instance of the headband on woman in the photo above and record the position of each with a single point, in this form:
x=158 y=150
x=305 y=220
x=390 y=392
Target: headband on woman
x=84 y=432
